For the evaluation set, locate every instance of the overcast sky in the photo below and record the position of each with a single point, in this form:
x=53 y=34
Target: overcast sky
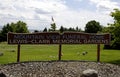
x=68 y=13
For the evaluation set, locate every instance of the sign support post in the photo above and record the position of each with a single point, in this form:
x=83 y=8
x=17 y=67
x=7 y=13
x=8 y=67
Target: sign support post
x=60 y=48
x=18 y=53
x=98 y=52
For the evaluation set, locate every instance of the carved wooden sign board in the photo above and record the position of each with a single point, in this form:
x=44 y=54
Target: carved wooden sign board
x=56 y=38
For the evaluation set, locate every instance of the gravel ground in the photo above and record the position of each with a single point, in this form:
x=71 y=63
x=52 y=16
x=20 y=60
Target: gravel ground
x=58 y=69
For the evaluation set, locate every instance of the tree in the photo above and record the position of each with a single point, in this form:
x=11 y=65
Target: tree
x=7 y=28
x=35 y=31
x=116 y=15
x=71 y=29
x=108 y=29
x=77 y=29
x=93 y=27
x=19 y=27
x=116 y=29
x=13 y=26
x=0 y=36
x=45 y=29
x=116 y=41
x=53 y=26
x=61 y=29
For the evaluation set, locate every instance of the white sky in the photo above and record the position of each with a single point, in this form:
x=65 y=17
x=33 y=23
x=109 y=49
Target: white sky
x=68 y=13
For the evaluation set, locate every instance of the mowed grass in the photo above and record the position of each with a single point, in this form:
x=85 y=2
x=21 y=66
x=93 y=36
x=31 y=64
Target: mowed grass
x=50 y=52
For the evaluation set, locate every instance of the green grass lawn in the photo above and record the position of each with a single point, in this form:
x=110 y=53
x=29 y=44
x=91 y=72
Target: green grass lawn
x=50 y=52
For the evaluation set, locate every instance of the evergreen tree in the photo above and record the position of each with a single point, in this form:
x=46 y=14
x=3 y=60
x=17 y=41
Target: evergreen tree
x=45 y=29
x=61 y=29
x=53 y=25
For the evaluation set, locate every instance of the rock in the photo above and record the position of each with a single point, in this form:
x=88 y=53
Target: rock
x=2 y=75
x=84 y=53
x=89 y=73
x=1 y=53
x=12 y=51
x=59 y=69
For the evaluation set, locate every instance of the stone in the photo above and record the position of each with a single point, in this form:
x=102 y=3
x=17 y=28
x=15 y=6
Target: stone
x=12 y=51
x=2 y=75
x=84 y=53
x=89 y=73
x=1 y=53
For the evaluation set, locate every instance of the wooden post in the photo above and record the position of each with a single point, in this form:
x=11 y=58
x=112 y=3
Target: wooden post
x=60 y=48
x=98 y=52
x=18 y=53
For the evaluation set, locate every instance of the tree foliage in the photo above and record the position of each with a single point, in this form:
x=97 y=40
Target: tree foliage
x=45 y=29
x=116 y=15
x=93 y=27
x=53 y=27
x=19 y=27
x=7 y=28
x=36 y=31
x=63 y=29
x=116 y=28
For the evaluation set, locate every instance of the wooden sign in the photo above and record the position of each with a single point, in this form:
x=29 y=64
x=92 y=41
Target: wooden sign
x=33 y=38
x=85 y=38
x=56 y=38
